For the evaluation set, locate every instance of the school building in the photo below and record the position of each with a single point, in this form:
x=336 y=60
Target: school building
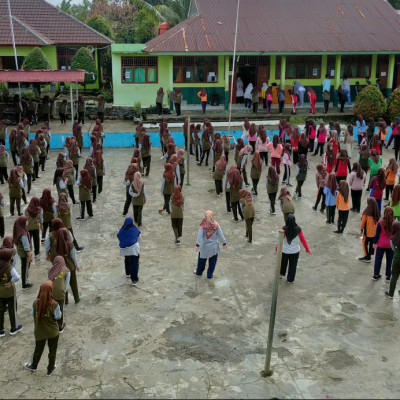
x=38 y=23
x=278 y=41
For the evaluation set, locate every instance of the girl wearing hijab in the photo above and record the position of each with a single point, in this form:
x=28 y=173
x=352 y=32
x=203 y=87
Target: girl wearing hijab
x=242 y=162
x=253 y=137
x=272 y=183
x=129 y=174
x=206 y=147
x=60 y=275
x=49 y=207
x=159 y=101
x=330 y=191
x=202 y=95
x=301 y=173
x=42 y=144
x=255 y=172
x=74 y=154
x=8 y=298
x=261 y=146
x=69 y=177
x=21 y=140
x=100 y=166
x=291 y=248
x=22 y=240
x=370 y=218
x=3 y=164
x=196 y=138
x=138 y=194
x=286 y=203
x=12 y=140
x=276 y=153
x=226 y=147
x=287 y=164
x=15 y=186
x=89 y=166
x=245 y=129
x=235 y=184
x=50 y=244
x=167 y=186
x=321 y=139
x=357 y=181
x=374 y=163
x=85 y=188
x=378 y=185
x=390 y=177
x=129 y=238
x=349 y=139
x=207 y=246
x=343 y=206
x=248 y=96
x=34 y=151
x=27 y=165
x=78 y=137
x=384 y=230
x=255 y=99
x=34 y=213
x=45 y=311
x=219 y=174
x=395 y=202
x=342 y=166
x=249 y=212
x=395 y=242
x=177 y=205
x=65 y=214
x=3 y=132
x=145 y=152
x=239 y=146
x=363 y=158
x=217 y=151
x=181 y=165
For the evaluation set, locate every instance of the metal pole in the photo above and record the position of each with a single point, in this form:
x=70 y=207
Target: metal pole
x=233 y=67
x=188 y=152
x=267 y=370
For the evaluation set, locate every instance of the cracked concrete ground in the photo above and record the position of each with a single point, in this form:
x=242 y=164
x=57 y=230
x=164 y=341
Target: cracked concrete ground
x=181 y=336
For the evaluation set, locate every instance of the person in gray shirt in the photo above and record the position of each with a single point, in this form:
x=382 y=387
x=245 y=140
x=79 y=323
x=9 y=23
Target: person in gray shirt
x=207 y=244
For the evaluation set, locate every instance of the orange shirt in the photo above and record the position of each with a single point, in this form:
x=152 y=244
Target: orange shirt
x=382 y=133
x=341 y=204
x=202 y=98
x=390 y=177
x=368 y=224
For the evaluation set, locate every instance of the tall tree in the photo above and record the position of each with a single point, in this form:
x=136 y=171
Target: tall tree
x=100 y=24
x=84 y=60
x=395 y=4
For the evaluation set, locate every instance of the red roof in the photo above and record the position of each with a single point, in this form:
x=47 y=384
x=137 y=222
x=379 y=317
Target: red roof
x=284 y=26
x=42 y=76
x=38 y=23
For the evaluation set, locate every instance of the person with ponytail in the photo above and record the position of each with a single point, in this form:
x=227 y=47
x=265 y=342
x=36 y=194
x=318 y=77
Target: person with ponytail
x=45 y=311
x=377 y=185
x=343 y=206
x=330 y=191
x=382 y=245
x=370 y=218
x=390 y=177
x=357 y=181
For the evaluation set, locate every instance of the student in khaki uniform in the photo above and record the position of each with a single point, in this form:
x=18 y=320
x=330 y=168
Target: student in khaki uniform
x=286 y=203
x=59 y=182
x=27 y=165
x=50 y=244
x=62 y=110
x=129 y=174
x=177 y=205
x=255 y=172
x=42 y=144
x=206 y=147
x=74 y=154
x=85 y=188
x=22 y=240
x=79 y=137
x=12 y=140
x=219 y=174
x=145 y=152
x=60 y=275
x=69 y=176
x=235 y=183
x=34 y=213
x=92 y=171
x=138 y=194
x=227 y=147
x=167 y=186
x=49 y=207
x=249 y=212
x=100 y=165
x=217 y=151
x=15 y=186
x=34 y=151
x=242 y=160
x=3 y=164
x=272 y=182
x=21 y=140
x=65 y=214
x=45 y=311
x=182 y=165
x=8 y=295
x=47 y=137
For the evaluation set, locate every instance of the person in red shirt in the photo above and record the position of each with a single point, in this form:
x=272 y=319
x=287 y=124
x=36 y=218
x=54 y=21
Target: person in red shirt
x=294 y=142
x=375 y=144
x=329 y=158
x=312 y=98
x=294 y=101
x=334 y=139
x=377 y=187
x=342 y=166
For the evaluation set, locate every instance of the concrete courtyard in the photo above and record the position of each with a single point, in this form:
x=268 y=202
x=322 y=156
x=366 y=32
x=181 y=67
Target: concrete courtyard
x=177 y=335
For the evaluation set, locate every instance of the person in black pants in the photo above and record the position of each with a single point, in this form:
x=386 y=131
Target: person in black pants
x=281 y=99
x=327 y=98
x=342 y=98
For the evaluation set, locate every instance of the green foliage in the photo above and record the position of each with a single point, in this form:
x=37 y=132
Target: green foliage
x=84 y=60
x=108 y=95
x=146 y=27
x=393 y=105
x=370 y=103
x=101 y=25
x=395 y=4
x=36 y=59
x=137 y=107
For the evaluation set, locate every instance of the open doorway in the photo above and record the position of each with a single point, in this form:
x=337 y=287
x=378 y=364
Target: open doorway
x=248 y=75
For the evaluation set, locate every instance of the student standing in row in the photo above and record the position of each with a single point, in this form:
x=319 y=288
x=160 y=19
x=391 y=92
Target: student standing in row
x=343 y=206
x=249 y=212
x=89 y=166
x=15 y=186
x=85 y=188
x=342 y=166
x=301 y=173
x=3 y=164
x=34 y=213
x=272 y=182
x=357 y=181
x=395 y=239
x=235 y=184
x=255 y=172
x=45 y=312
x=330 y=192
x=321 y=139
x=261 y=146
x=49 y=207
x=219 y=174
x=370 y=218
x=177 y=205
x=207 y=246
x=390 y=177
x=130 y=172
x=138 y=193
x=377 y=186
x=129 y=247
x=100 y=165
x=287 y=163
x=167 y=186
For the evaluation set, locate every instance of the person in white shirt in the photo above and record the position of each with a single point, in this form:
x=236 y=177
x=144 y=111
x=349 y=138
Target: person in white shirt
x=346 y=88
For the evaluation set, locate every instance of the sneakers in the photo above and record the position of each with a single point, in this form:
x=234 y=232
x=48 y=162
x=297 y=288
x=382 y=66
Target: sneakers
x=2 y=334
x=27 y=286
x=16 y=330
x=134 y=283
x=37 y=255
x=387 y=279
x=42 y=240
x=248 y=240
x=338 y=232
x=29 y=366
x=50 y=371
x=388 y=295
x=289 y=184
x=235 y=220
x=177 y=242
x=376 y=277
x=80 y=218
x=365 y=259
x=128 y=276
x=195 y=272
x=61 y=328
x=272 y=212
x=80 y=249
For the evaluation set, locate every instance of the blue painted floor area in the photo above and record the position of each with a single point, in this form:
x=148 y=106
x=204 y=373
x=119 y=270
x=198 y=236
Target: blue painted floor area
x=127 y=139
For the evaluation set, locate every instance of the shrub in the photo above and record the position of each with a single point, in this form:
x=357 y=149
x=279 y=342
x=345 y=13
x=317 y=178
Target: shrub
x=108 y=95
x=393 y=105
x=36 y=59
x=84 y=60
x=370 y=103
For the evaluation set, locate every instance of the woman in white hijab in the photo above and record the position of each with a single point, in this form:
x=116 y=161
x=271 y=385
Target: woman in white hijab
x=248 y=95
x=239 y=90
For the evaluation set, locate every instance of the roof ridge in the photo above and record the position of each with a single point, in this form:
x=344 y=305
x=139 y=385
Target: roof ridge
x=40 y=36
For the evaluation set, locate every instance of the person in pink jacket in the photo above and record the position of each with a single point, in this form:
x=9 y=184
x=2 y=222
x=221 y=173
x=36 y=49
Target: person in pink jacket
x=287 y=162
x=276 y=153
x=262 y=146
x=252 y=137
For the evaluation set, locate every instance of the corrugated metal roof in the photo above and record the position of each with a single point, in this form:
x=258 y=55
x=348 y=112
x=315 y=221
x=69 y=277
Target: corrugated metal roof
x=41 y=23
x=285 y=26
x=42 y=76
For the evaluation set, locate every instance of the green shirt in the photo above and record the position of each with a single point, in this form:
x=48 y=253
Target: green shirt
x=6 y=293
x=59 y=286
x=47 y=327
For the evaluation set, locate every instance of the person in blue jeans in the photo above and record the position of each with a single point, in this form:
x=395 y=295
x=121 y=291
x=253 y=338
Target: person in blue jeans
x=207 y=244
x=129 y=238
